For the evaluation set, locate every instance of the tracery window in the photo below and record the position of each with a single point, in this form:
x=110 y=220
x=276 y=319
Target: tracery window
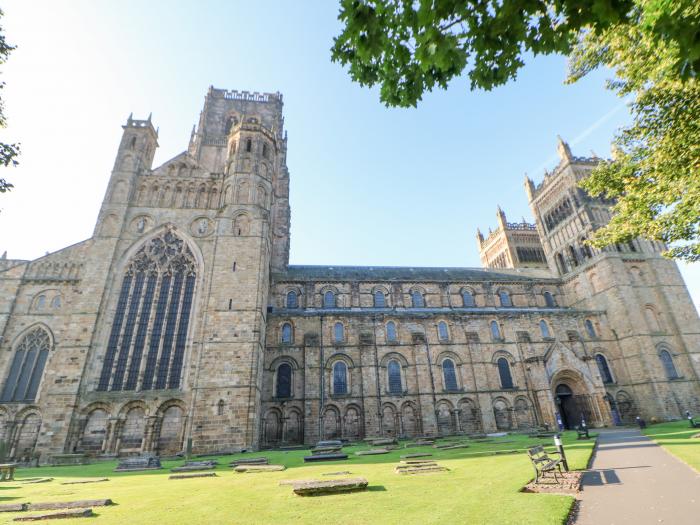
x=27 y=367
x=292 y=299
x=379 y=299
x=394 y=372
x=449 y=375
x=340 y=378
x=391 y=332
x=603 y=368
x=284 y=381
x=504 y=373
x=152 y=317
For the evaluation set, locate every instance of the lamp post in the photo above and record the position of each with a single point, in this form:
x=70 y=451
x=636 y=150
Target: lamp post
x=560 y=449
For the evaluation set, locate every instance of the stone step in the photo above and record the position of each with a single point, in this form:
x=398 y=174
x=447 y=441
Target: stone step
x=249 y=461
x=191 y=468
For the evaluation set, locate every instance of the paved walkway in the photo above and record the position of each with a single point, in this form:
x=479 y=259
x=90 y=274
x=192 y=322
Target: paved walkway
x=633 y=480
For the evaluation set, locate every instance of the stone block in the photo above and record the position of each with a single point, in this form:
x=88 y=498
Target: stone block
x=372 y=452
x=325 y=457
x=80 y=504
x=194 y=475
x=332 y=486
x=252 y=469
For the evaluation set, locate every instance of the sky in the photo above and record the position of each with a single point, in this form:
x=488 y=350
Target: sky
x=370 y=185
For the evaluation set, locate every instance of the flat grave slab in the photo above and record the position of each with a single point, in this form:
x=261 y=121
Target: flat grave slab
x=82 y=481
x=194 y=475
x=192 y=468
x=35 y=480
x=68 y=459
x=371 y=452
x=456 y=445
x=252 y=469
x=80 y=504
x=339 y=473
x=329 y=443
x=330 y=486
x=64 y=514
x=417 y=462
x=424 y=442
x=326 y=450
x=419 y=469
x=324 y=457
x=136 y=463
x=13 y=507
x=416 y=455
x=249 y=461
x=383 y=441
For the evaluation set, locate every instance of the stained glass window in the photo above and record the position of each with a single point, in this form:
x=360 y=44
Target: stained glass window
x=504 y=373
x=449 y=375
x=284 y=381
x=467 y=299
x=164 y=268
x=669 y=367
x=379 y=299
x=27 y=368
x=292 y=300
x=394 y=371
x=603 y=368
x=340 y=378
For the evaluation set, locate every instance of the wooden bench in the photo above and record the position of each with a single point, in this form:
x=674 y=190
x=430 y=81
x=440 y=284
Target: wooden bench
x=542 y=463
x=693 y=423
x=582 y=433
x=7 y=471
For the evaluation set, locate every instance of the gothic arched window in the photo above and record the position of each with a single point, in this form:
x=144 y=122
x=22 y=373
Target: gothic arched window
x=338 y=333
x=449 y=375
x=505 y=298
x=340 y=378
x=544 y=328
x=417 y=299
x=27 y=367
x=391 y=332
x=443 y=333
x=329 y=299
x=379 y=299
x=467 y=299
x=549 y=300
x=292 y=299
x=667 y=362
x=590 y=328
x=152 y=317
x=248 y=145
x=495 y=330
x=284 y=381
x=504 y=373
x=394 y=373
x=603 y=368
x=287 y=333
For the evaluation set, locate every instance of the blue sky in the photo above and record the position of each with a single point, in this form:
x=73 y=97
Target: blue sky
x=369 y=185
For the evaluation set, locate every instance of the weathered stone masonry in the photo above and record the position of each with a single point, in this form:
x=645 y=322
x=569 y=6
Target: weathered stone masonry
x=181 y=319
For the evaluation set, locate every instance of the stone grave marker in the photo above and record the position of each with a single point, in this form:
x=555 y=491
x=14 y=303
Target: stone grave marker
x=251 y=469
x=315 y=487
x=134 y=464
x=324 y=457
x=71 y=513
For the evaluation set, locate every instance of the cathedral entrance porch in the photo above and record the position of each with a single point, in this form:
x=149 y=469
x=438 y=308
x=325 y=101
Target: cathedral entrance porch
x=575 y=401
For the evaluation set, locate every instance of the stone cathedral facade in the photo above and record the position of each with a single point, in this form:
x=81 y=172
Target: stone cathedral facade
x=181 y=319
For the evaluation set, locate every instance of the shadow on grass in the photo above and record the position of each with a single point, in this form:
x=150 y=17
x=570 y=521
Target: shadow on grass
x=376 y=488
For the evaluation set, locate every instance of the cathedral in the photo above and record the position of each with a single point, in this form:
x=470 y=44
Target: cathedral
x=181 y=324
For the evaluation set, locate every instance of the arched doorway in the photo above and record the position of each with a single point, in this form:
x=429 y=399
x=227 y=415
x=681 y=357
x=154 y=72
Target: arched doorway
x=566 y=406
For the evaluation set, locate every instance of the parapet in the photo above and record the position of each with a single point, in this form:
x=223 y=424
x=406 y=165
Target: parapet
x=245 y=95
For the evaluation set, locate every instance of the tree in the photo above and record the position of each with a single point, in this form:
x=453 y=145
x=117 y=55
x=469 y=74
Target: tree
x=8 y=152
x=654 y=175
x=408 y=47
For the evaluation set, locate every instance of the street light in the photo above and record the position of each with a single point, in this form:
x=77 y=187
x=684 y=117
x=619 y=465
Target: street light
x=560 y=449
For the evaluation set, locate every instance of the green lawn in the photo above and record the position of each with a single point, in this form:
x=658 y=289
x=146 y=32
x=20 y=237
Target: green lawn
x=677 y=438
x=479 y=488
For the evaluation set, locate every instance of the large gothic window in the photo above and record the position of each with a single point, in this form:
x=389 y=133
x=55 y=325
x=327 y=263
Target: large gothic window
x=146 y=346
x=27 y=367
x=667 y=362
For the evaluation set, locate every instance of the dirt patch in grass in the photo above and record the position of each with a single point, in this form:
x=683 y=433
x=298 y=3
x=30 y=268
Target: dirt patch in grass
x=568 y=483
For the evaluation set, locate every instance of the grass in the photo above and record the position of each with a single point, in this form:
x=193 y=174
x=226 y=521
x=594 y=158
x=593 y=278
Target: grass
x=479 y=488
x=676 y=437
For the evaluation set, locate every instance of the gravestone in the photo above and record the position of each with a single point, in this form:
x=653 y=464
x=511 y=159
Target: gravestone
x=325 y=457
x=329 y=443
x=194 y=475
x=73 y=513
x=57 y=460
x=249 y=461
x=251 y=469
x=193 y=466
x=143 y=462
x=416 y=455
x=383 y=441
x=81 y=504
x=372 y=452
x=326 y=450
